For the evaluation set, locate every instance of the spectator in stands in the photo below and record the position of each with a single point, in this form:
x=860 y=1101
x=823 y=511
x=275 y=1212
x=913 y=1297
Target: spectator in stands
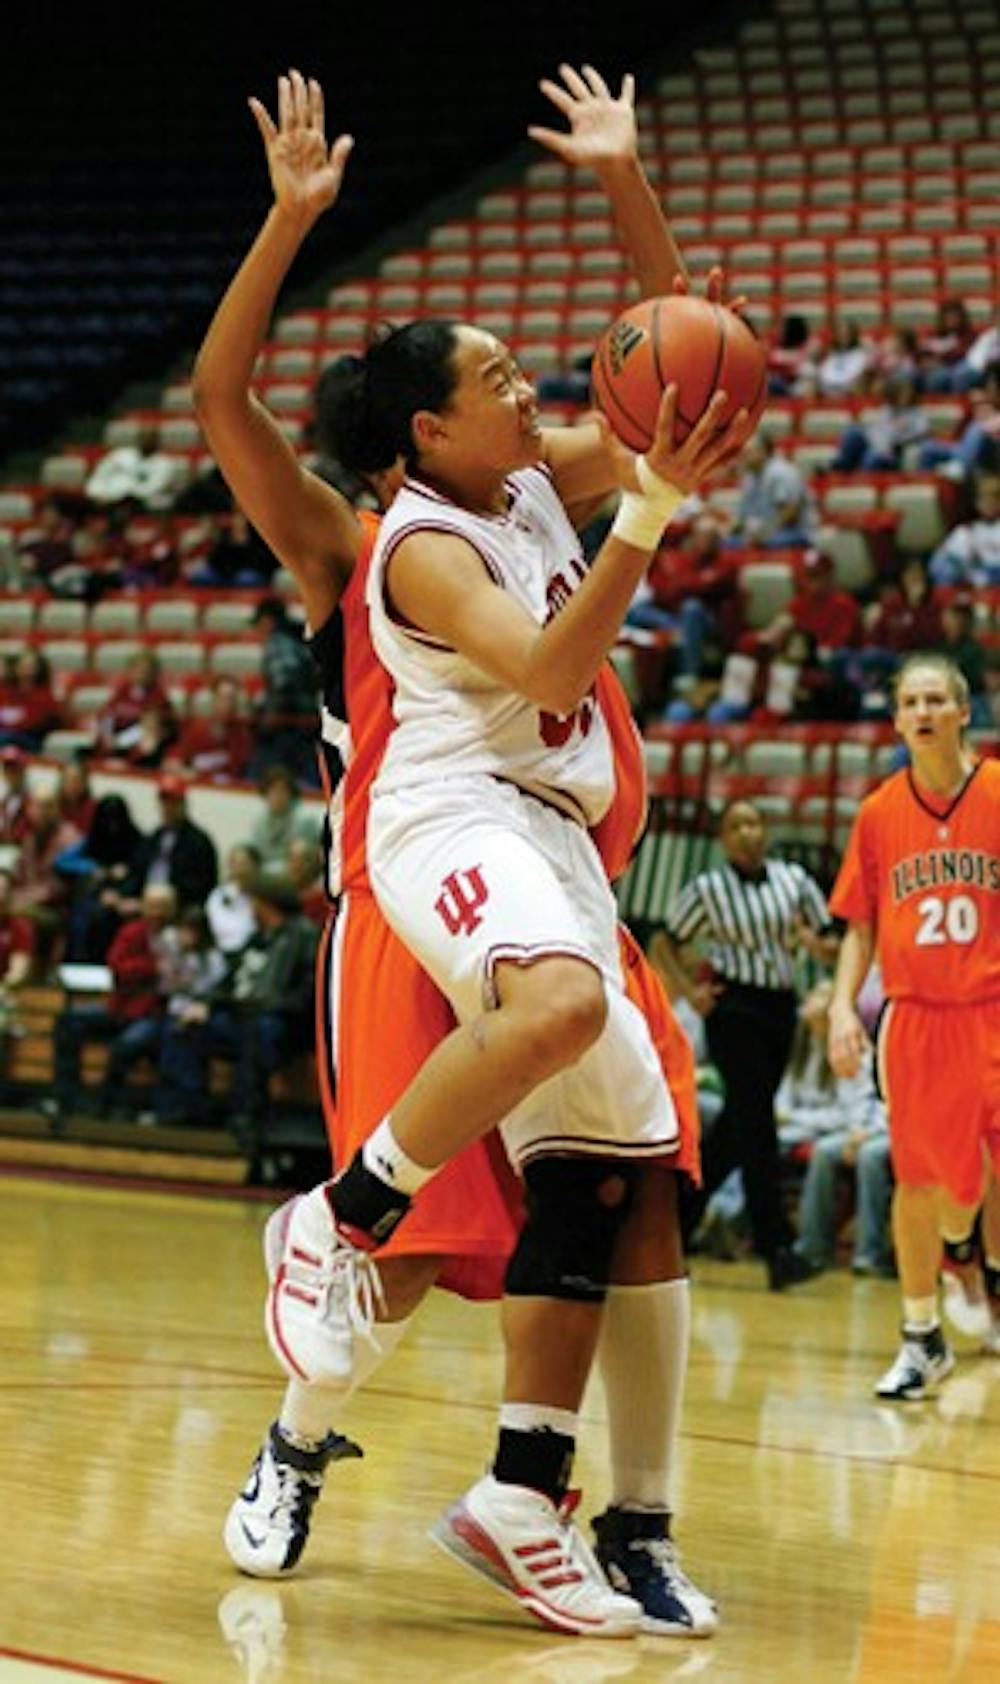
x=977 y=450
x=843 y=1122
x=970 y=553
x=46 y=548
x=842 y=370
x=229 y=908
x=796 y=686
x=694 y=590
x=77 y=802
x=791 y=360
x=290 y=708
x=14 y=796
x=178 y=852
x=271 y=1020
x=961 y=645
x=28 y=707
x=906 y=615
x=110 y=884
x=136 y=475
x=239 y=557
x=196 y=977
x=139 y=719
x=774 y=507
x=41 y=893
x=17 y=945
x=898 y=354
x=17 y=942
x=218 y=746
x=131 y=1021
x=983 y=351
x=878 y=442
x=944 y=349
x=149 y=558
x=832 y=616
x=304 y=869
x=284 y=816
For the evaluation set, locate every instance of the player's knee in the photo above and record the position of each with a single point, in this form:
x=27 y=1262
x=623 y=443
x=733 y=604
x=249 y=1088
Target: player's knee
x=561 y=1017
x=575 y=1211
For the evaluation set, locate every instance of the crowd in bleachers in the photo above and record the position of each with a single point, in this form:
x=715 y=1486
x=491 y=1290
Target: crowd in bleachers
x=198 y=966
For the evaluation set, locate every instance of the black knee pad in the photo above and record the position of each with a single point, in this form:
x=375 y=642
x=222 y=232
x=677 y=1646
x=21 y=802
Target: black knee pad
x=575 y=1210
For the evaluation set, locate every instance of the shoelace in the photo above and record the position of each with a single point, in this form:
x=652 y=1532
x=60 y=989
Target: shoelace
x=352 y=1277
x=294 y=1488
x=664 y=1552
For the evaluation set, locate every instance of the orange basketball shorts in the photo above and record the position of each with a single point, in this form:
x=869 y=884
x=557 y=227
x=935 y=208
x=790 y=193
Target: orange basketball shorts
x=939 y=1071
x=378 y=1018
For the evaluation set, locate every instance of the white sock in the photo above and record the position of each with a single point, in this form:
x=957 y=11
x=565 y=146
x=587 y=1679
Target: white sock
x=382 y=1154
x=920 y=1314
x=307 y=1413
x=535 y=1417
x=642 y=1353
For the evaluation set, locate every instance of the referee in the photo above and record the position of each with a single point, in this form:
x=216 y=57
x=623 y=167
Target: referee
x=755 y=914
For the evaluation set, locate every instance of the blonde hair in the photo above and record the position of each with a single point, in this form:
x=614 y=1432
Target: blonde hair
x=955 y=678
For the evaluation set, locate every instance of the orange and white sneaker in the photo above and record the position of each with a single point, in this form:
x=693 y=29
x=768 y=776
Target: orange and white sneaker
x=324 y=1291
x=531 y=1550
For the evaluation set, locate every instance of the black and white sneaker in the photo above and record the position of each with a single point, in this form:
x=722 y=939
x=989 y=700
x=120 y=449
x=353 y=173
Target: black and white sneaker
x=639 y=1557
x=923 y=1360
x=268 y=1525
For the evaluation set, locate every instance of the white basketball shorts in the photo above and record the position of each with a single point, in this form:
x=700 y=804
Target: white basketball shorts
x=471 y=872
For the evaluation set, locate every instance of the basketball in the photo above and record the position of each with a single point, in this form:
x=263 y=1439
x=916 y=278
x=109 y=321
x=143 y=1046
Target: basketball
x=699 y=346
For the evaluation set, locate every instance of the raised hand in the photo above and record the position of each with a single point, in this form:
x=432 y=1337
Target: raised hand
x=602 y=129
x=305 y=173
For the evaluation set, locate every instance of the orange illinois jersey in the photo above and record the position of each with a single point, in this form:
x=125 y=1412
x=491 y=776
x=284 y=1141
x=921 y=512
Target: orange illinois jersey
x=356 y=719
x=618 y=832
x=926 y=875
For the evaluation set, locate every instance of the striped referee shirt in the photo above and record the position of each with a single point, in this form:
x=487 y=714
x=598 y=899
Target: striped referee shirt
x=751 y=923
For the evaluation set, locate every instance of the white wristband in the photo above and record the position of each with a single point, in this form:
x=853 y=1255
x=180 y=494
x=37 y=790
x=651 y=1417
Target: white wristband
x=642 y=516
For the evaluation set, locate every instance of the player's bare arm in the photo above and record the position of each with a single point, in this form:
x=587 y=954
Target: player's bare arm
x=308 y=524
x=848 y=1039
x=439 y=584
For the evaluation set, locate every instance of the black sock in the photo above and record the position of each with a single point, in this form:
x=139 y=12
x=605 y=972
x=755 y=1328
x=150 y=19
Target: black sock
x=362 y=1200
x=540 y=1458
x=962 y=1251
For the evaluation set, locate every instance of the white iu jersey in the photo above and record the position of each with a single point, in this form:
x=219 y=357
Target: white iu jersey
x=451 y=717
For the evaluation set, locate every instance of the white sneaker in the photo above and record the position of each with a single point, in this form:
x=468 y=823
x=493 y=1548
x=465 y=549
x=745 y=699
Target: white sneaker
x=323 y=1291
x=639 y=1557
x=991 y=1341
x=268 y=1525
x=966 y=1304
x=531 y=1550
x=923 y=1359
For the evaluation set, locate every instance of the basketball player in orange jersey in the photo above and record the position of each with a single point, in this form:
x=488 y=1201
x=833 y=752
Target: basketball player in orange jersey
x=920 y=888
x=462 y=1220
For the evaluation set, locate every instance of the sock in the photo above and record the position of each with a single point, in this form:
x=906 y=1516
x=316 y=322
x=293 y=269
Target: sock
x=920 y=1315
x=385 y=1158
x=642 y=1353
x=535 y=1447
x=991 y=1269
x=365 y=1204
x=307 y=1411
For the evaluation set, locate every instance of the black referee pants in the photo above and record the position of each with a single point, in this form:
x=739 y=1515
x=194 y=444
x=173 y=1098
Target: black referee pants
x=749 y=1034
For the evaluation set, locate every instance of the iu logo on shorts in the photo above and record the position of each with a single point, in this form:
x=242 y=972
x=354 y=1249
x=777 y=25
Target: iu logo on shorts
x=463 y=893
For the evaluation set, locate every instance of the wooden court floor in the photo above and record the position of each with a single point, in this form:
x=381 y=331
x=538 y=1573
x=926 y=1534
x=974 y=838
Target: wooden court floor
x=845 y=1541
